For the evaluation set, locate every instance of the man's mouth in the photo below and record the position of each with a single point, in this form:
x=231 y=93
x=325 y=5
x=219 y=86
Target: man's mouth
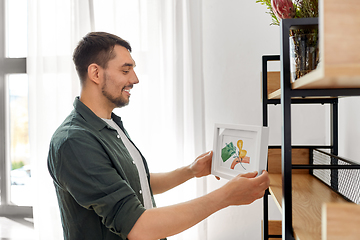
x=127 y=89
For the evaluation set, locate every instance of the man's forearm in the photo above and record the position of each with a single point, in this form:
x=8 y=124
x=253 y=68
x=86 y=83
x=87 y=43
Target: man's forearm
x=162 y=182
x=163 y=222
x=167 y=221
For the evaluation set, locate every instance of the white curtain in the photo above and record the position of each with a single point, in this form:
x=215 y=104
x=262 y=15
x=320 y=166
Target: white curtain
x=165 y=114
x=55 y=26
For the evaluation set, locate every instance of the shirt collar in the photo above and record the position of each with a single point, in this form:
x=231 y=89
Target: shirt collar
x=90 y=117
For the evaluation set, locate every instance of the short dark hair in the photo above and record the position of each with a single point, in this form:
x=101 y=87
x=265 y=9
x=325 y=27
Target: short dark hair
x=96 y=47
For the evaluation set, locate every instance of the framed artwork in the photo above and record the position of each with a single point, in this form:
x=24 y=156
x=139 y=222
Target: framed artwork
x=239 y=149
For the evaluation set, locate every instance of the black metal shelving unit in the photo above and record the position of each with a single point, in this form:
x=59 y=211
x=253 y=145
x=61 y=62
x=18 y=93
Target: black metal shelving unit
x=291 y=96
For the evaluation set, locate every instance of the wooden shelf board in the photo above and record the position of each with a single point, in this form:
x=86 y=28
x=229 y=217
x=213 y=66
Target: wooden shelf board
x=329 y=79
x=273 y=81
x=275 y=95
x=340 y=221
x=308 y=196
x=274 y=228
x=299 y=156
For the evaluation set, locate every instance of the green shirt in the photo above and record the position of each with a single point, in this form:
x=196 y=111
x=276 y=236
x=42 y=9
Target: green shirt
x=97 y=184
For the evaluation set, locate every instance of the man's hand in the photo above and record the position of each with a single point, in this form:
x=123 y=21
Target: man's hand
x=162 y=182
x=202 y=165
x=245 y=188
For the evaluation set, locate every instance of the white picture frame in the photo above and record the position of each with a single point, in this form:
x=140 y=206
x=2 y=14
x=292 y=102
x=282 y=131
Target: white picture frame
x=239 y=149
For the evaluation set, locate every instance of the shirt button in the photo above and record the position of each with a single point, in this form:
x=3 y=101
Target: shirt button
x=140 y=191
x=133 y=162
x=118 y=136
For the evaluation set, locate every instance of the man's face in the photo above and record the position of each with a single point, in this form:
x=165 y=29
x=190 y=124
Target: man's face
x=119 y=77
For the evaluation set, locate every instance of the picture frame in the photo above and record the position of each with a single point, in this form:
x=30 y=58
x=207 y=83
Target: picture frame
x=239 y=149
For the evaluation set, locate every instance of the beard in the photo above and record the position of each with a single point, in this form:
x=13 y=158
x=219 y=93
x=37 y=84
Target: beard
x=117 y=101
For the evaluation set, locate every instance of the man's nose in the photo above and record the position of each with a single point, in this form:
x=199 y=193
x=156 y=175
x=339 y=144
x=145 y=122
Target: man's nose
x=134 y=79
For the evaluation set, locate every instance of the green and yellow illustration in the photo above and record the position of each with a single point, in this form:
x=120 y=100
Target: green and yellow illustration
x=238 y=154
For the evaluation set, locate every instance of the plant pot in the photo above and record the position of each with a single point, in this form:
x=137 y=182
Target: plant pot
x=304 y=54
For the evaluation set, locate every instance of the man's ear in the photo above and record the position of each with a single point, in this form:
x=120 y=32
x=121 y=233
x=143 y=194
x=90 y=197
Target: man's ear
x=94 y=73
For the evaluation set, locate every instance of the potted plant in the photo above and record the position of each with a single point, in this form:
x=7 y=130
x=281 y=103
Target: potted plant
x=304 y=50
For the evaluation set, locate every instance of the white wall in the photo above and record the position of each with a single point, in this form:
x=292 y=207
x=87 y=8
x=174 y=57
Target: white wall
x=235 y=36
x=349 y=128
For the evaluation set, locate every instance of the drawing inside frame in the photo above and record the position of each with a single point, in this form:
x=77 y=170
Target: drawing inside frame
x=239 y=149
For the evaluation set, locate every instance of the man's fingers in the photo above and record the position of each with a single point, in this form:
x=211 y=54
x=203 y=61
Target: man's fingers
x=249 y=174
x=263 y=179
x=205 y=154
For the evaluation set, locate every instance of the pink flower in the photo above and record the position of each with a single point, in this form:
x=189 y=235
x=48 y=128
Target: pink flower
x=283 y=9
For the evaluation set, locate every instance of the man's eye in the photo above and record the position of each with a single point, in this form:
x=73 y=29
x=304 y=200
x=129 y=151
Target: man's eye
x=125 y=72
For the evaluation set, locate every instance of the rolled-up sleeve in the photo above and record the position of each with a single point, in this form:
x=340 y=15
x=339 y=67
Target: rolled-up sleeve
x=84 y=169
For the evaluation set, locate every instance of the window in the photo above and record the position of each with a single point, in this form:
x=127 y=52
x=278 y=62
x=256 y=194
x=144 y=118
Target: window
x=15 y=169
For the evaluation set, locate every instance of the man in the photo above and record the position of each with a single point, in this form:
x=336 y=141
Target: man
x=102 y=181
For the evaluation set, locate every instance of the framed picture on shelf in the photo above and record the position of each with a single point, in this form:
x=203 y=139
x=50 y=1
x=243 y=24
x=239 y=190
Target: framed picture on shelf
x=239 y=149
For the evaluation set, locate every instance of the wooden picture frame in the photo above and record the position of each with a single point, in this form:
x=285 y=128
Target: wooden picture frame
x=239 y=149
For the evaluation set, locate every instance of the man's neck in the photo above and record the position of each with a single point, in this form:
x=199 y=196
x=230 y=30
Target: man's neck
x=97 y=105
